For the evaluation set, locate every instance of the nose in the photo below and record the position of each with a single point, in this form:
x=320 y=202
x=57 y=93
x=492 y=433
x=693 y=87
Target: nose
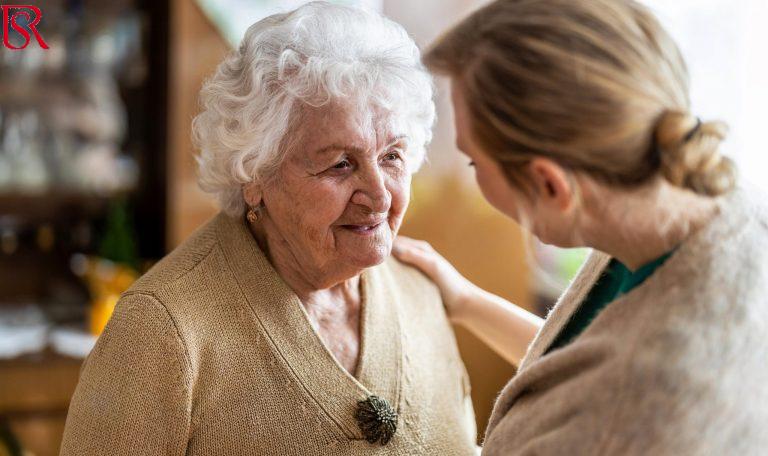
x=372 y=191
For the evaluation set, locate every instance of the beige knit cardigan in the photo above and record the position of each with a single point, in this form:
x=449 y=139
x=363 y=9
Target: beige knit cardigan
x=678 y=366
x=210 y=353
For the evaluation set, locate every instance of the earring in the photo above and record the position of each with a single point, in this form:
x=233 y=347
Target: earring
x=252 y=215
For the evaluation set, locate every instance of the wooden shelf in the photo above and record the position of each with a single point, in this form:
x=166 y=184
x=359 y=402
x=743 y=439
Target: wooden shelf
x=52 y=204
x=40 y=383
x=35 y=392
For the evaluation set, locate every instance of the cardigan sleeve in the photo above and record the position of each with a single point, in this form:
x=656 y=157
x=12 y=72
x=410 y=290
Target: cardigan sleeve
x=133 y=396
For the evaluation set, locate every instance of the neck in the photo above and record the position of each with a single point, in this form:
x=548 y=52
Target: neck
x=639 y=226
x=310 y=284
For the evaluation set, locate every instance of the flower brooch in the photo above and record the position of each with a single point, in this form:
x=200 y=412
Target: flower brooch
x=377 y=420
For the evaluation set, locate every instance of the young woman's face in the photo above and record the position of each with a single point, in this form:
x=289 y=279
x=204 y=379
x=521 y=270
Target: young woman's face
x=490 y=177
x=549 y=215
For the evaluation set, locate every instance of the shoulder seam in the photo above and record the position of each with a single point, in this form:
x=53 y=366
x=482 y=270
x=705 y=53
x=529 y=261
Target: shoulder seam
x=203 y=256
x=153 y=298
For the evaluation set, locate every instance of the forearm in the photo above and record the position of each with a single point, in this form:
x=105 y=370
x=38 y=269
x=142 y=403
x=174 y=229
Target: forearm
x=505 y=327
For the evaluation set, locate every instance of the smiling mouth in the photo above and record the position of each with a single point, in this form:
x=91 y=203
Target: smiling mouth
x=362 y=229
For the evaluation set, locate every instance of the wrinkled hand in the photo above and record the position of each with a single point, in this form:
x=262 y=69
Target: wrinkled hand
x=454 y=287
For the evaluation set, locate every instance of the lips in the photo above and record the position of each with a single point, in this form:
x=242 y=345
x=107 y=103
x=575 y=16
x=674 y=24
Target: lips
x=363 y=225
x=362 y=228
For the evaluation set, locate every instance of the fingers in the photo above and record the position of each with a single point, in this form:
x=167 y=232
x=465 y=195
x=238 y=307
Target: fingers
x=405 y=250
x=417 y=253
x=414 y=243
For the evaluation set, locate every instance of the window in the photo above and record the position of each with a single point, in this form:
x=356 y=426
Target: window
x=725 y=44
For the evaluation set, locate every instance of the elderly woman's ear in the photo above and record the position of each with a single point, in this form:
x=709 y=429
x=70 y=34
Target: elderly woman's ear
x=252 y=194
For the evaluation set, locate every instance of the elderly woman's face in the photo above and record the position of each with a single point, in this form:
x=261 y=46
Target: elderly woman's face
x=339 y=196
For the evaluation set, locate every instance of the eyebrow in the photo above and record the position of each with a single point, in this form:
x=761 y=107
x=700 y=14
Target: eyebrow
x=332 y=147
x=354 y=149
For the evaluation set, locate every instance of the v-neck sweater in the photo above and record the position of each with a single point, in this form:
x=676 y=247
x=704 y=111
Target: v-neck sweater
x=211 y=353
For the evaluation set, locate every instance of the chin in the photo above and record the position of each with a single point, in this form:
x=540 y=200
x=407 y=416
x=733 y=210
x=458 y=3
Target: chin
x=556 y=240
x=370 y=258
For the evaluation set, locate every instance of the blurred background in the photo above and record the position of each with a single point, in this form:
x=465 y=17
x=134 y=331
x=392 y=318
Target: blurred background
x=97 y=177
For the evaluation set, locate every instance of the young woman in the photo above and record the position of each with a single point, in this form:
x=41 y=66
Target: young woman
x=576 y=117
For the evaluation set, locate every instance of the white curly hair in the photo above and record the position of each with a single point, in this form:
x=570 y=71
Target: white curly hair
x=313 y=55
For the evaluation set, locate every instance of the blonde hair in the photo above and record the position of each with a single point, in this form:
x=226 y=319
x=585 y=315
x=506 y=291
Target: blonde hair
x=598 y=86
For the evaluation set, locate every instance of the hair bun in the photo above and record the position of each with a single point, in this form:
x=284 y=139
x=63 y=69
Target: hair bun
x=690 y=154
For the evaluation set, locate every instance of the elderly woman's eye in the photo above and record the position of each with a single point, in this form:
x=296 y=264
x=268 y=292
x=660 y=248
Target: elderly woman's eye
x=342 y=164
x=393 y=156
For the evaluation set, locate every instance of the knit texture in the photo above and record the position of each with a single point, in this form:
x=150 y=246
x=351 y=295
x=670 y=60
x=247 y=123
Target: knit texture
x=676 y=366
x=211 y=353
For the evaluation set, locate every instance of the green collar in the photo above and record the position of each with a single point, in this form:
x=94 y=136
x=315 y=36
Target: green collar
x=629 y=280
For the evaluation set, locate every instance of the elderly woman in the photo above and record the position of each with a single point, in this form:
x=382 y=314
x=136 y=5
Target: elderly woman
x=283 y=326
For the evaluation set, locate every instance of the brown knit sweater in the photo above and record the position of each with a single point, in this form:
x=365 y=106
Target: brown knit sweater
x=210 y=353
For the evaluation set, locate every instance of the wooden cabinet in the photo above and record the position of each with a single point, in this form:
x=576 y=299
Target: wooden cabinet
x=40 y=228
x=34 y=397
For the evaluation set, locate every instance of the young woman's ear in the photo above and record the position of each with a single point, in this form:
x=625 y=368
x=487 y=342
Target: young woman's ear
x=551 y=182
x=252 y=194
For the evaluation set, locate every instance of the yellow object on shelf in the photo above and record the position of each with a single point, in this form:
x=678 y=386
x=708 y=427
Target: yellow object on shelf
x=100 y=312
x=106 y=281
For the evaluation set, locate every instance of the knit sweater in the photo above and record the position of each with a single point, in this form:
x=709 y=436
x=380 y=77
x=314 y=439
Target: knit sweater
x=679 y=365
x=211 y=353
